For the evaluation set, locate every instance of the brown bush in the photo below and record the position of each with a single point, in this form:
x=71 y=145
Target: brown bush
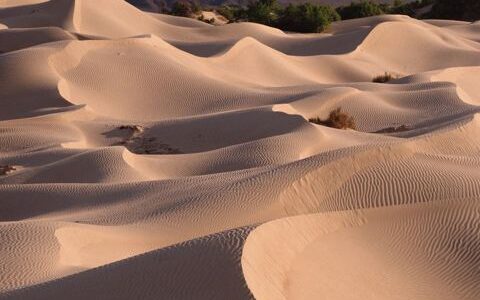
x=383 y=78
x=137 y=141
x=336 y=119
x=4 y=170
x=394 y=129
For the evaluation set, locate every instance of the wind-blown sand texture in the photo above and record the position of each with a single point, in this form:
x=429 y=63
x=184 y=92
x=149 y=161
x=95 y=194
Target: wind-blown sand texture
x=157 y=157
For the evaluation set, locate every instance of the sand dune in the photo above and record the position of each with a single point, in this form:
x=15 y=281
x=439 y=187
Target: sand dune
x=156 y=157
x=403 y=252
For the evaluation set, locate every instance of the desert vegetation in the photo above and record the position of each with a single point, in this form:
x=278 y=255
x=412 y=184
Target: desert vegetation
x=383 y=78
x=232 y=13
x=467 y=10
x=394 y=129
x=311 y=18
x=360 y=10
x=206 y=20
x=5 y=169
x=185 y=8
x=306 y=18
x=336 y=119
x=137 y=141
x=368 y=8
x=412 y=9
x=133 y=128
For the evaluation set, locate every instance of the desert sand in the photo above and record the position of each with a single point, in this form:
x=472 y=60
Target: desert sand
x=156 y=157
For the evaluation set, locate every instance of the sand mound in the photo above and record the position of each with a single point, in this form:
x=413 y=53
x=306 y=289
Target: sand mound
x=146 y=156
x=15 y=39
x=406 y=252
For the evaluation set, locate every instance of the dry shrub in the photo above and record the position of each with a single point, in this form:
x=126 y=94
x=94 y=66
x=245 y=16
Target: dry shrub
x=4 y=170
x=132 y=128
x=140 y=143
x=400 y=128
x=336 y=119
x=383 y=78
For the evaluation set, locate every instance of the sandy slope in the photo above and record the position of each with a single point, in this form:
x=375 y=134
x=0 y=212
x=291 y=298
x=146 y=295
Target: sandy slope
x=217 y=186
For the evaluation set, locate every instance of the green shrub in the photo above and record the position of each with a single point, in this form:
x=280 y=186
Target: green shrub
x=306 y=18
x=184 y=8
x=467 y=10
x=263 y=12
x=360 y=10
x=336 y=119
x=400 y=8
x=231 y=12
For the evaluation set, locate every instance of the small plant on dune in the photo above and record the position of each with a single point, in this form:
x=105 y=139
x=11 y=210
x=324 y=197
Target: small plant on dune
x=208 y=21
x=4 y=170
x=139 y=142
x=394 y=129
x=383 y=78
x=336 y=119
x=133 y=128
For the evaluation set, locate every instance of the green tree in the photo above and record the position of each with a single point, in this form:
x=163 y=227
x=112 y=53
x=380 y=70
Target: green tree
x=467 y=10
x=306 y=17
x=399 y=7
x=184 y=8
x=231 y=12
x=262 y=11
x=360 y=10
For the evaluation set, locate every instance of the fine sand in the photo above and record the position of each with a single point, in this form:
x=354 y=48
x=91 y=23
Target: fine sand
x=145 y=156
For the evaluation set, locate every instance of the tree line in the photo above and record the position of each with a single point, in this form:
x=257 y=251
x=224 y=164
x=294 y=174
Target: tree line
x=309 y=18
